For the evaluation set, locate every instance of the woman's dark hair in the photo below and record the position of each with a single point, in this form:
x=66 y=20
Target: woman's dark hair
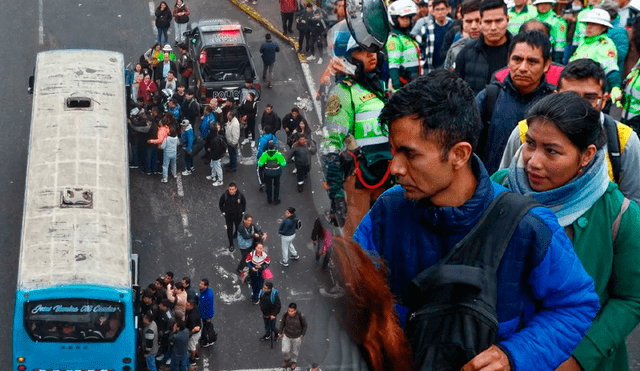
x=443 y=103
x=366 y=310
x=318 y=231
x=165 y=4
x=573 y=116
x=535 y=39
x=173 y=132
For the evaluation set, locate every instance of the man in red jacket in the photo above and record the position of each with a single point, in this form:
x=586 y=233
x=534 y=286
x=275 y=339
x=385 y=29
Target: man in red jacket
x=287 y=8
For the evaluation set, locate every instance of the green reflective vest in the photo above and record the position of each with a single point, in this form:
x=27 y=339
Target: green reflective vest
x=516 y=20
x=631 y=107
x=404 y=59
x=558 y=32
x=599 y=48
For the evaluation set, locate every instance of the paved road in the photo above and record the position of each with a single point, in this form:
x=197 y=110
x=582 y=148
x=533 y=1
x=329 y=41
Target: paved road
x=176 y=226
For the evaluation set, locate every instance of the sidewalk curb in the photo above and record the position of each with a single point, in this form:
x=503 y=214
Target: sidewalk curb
x=311 y=86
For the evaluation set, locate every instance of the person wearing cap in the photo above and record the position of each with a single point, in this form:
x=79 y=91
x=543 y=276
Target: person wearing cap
x=352 y=130
x=429 y=32
x=580 y=30
x=598 y=46
x=272 y=161
x=519 y=14
x=403 y=52
x=631 y=107
x=558 y=32
x=186 y=137
x=618 y=34
x=165 y=65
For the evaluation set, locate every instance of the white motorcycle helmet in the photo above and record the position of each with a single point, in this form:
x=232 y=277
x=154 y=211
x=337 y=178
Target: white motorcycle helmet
x=401 y=8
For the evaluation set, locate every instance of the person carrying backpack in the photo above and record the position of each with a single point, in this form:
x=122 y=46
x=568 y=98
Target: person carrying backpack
x=272 y=161
x=270 y=306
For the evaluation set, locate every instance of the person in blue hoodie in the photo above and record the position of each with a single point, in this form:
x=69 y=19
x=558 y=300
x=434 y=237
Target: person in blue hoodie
x=187 y=138
x=545 y=298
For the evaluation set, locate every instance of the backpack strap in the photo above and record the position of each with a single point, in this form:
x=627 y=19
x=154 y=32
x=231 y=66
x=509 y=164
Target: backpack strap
x=613 y=146
x=523 y=127
x=616 y=223
x=481 y=250
x=492 y=91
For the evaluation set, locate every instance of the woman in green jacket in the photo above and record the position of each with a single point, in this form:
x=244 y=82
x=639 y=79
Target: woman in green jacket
x=562 y=164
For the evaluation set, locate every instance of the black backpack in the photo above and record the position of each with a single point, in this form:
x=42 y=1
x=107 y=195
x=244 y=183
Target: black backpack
x=453 y=302
x=272 y=168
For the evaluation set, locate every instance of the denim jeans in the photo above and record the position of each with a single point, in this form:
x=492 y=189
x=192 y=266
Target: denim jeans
x=180 y=363
x=151 y=157
x=180 y=28
x=287 y=247
x=233 y=157
x=163 y=31
x=151 y=362
x=188 y=161
x=216 y=170
x=165 y=166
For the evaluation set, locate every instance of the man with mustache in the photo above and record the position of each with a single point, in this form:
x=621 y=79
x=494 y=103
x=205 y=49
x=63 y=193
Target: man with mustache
x=503 y=105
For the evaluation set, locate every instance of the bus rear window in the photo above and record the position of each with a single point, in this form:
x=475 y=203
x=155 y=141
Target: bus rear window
x=73 y=320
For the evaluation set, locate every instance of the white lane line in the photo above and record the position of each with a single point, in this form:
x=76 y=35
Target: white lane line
x=312 y=89
x=152 y=11
x=180 y=188
x=185 y=224
x=40 y=22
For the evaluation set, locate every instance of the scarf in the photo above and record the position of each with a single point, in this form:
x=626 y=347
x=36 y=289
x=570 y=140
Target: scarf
x=570 y=200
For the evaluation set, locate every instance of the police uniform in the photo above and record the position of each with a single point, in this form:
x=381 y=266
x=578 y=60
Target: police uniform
x=558 y=33
x=631 y=108
x=516 y=20
x=581 y=27
x=403 y=58
x=353 y=111
x=602 y=50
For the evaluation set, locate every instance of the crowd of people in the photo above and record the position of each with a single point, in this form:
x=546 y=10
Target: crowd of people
x=463 y=102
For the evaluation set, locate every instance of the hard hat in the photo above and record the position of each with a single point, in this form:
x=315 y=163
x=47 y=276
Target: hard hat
x=401 y=8
x=338 y=37
x=536 y=2
x=167 y=48
x=599 y=16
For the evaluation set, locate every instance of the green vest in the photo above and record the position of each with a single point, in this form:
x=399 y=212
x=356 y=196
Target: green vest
x=516 y=20
x=353 y=110
x=600 y=49
x=558 y=30
x=631 y=107
x=402 y=54
x=581 y=27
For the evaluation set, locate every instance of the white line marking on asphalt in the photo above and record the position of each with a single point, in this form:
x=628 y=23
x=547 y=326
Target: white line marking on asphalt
x=180 y=188
x=152 y=11
x=40 y=22
x=312 y=89
x=185 y=224
x=237 y=295
x=300 y=295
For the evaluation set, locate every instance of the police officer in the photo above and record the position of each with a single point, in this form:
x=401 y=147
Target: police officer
x=520 y=14
x=402 y=50
x=353 y=140
x=597 y=46
x=558 y=27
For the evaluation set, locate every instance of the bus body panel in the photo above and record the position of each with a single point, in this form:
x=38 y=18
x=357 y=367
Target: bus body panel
x=75 y=249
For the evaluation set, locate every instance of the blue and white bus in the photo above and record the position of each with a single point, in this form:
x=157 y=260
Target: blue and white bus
x=74 y=307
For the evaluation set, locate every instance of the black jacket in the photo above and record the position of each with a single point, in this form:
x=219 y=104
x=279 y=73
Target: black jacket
x=232 y=205
x=472 y=64
x=270 y=119
x=215 y=147
x=190 y=110
x=288 y=122
x=163 y=18
x=266 y=306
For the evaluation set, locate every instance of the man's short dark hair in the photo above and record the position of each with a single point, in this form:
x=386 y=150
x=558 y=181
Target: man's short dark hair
x=470 y=6
x=535 y=39
x=246 y=216
x=267 y=36
x=295 y=109
x=435 y=3
x=182 y=46
x=232 y=184
x=187 y=280
x=582 y=69
x=526 y=25
x=269 y=284
x=205 y=281
x=493 y=4
x=166 y=303
x=248 y=80
x=147 y=294
x=269 y=105
x=293 y=306
x=443 y=103
x=169 y=273
x=179 y=286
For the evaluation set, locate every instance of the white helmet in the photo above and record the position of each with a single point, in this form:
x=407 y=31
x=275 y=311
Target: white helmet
x=599 y=16
x=401 y=8
x=536 y=2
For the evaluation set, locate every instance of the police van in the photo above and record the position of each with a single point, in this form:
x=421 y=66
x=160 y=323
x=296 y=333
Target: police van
x=222 y=58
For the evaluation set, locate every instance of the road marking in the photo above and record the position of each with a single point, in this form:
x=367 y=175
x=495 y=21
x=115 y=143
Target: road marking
x=40 y=22
x=312 y=89
x=300 y=295
x=180 y=188
x=152 y=11
x=185 y=224
x=237 y=295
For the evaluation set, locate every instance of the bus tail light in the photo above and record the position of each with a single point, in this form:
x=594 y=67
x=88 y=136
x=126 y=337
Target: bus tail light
x=22 y=367
x=20 y=359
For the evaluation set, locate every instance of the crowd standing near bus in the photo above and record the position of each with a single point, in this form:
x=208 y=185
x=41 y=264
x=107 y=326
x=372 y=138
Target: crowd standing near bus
x=541 y=82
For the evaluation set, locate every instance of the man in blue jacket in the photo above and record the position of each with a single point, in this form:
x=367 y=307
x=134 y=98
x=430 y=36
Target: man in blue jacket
x=207 y=307
x=268 y=49
x=545 y=299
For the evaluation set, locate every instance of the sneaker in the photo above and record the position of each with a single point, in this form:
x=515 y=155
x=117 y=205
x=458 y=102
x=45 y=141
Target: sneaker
x=320 y=60
x=197 y=357
x=149 y=173
x=209 y=177
x=133 y=166
x=311 y=57
x=295 y=170
x=186 y=172
x=284 y=264
x=294 y=257
x=164 y=180
x=265 y=338
x=217 y=183
x=270 y=85
x=253 y=144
